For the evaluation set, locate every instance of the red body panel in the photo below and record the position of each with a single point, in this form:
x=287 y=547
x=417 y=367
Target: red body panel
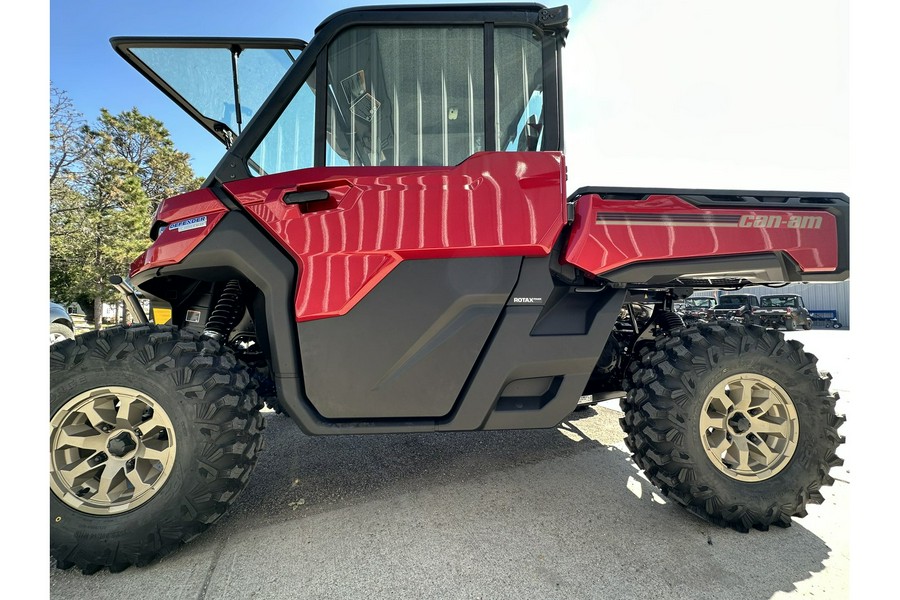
x=608 y=234
x=493 y=204
x=173 y=244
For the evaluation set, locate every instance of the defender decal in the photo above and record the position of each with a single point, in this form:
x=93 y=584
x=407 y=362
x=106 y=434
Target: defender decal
x=188 y=224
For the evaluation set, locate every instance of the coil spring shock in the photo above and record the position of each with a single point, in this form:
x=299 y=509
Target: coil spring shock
x=229 y=308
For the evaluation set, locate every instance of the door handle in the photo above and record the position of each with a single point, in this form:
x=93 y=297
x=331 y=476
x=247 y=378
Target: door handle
x=306 y=197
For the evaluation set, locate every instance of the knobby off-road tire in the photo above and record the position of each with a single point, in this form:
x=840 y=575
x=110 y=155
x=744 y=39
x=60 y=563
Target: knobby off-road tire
x=701 y=442
x=153 y=433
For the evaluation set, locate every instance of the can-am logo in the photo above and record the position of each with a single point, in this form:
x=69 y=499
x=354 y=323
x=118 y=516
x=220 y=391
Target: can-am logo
x=777 y=221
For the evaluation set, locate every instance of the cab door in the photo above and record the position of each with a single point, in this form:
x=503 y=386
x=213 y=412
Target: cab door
x=407 y=160
x=409 y=206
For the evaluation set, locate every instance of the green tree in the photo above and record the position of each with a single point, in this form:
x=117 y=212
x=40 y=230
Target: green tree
x=69 y=145
x=68 y=141
x=102 y=201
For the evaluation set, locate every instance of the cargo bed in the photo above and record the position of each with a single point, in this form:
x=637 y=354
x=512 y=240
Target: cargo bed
x=708 y=238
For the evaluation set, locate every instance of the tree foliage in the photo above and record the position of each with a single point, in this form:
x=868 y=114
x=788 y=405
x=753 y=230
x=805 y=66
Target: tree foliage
x=106 y=180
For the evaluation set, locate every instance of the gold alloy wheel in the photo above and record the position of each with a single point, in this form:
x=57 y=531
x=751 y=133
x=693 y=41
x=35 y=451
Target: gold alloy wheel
x=749 y=427
x=111 y=450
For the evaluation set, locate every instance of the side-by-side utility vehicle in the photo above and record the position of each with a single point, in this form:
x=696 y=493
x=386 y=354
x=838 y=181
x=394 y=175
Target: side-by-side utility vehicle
x=783 y=310
x=696 y=309
x=737 y=307
x=387 y=247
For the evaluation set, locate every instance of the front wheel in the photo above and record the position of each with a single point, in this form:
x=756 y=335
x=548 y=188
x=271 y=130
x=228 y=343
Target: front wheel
x=153 y=433
x=735 y=423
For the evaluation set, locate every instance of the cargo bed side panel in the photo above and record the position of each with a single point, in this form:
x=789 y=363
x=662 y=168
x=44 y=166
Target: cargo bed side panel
x=622 y=235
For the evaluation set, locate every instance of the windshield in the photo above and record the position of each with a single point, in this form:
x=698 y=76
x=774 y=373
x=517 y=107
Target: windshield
x=700 y=302
x=778 y=301
x=219 y=82
x=258 y=70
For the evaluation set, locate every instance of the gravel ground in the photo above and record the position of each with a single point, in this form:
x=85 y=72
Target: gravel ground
x=559 y=513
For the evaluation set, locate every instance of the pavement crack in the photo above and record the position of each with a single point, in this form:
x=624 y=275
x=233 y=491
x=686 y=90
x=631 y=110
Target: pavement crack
x=212 y=567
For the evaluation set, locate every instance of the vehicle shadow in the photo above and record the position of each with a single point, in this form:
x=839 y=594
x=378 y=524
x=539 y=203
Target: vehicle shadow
x=554 y=513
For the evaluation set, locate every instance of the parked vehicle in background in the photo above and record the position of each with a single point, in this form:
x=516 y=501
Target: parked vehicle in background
x=61 y=326
x=783 y=310
x=697 y=309
x=736 y=307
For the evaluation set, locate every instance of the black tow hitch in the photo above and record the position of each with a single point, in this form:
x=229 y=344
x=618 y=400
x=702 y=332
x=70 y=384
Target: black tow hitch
x=131 y=299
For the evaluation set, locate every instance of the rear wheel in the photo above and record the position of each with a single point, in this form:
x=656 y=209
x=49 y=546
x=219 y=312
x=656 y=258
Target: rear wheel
x=735 y=423
x=790 y=325
x=153 y=433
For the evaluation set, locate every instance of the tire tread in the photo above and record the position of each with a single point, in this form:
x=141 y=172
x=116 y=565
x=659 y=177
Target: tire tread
x=655 y=407
x=226 y=417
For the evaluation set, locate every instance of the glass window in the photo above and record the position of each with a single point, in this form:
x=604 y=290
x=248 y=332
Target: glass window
x=405 y=96
x=205 y=79
x=290 y=144
x=518 y=89
x=780 y=301
x=733 y=300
